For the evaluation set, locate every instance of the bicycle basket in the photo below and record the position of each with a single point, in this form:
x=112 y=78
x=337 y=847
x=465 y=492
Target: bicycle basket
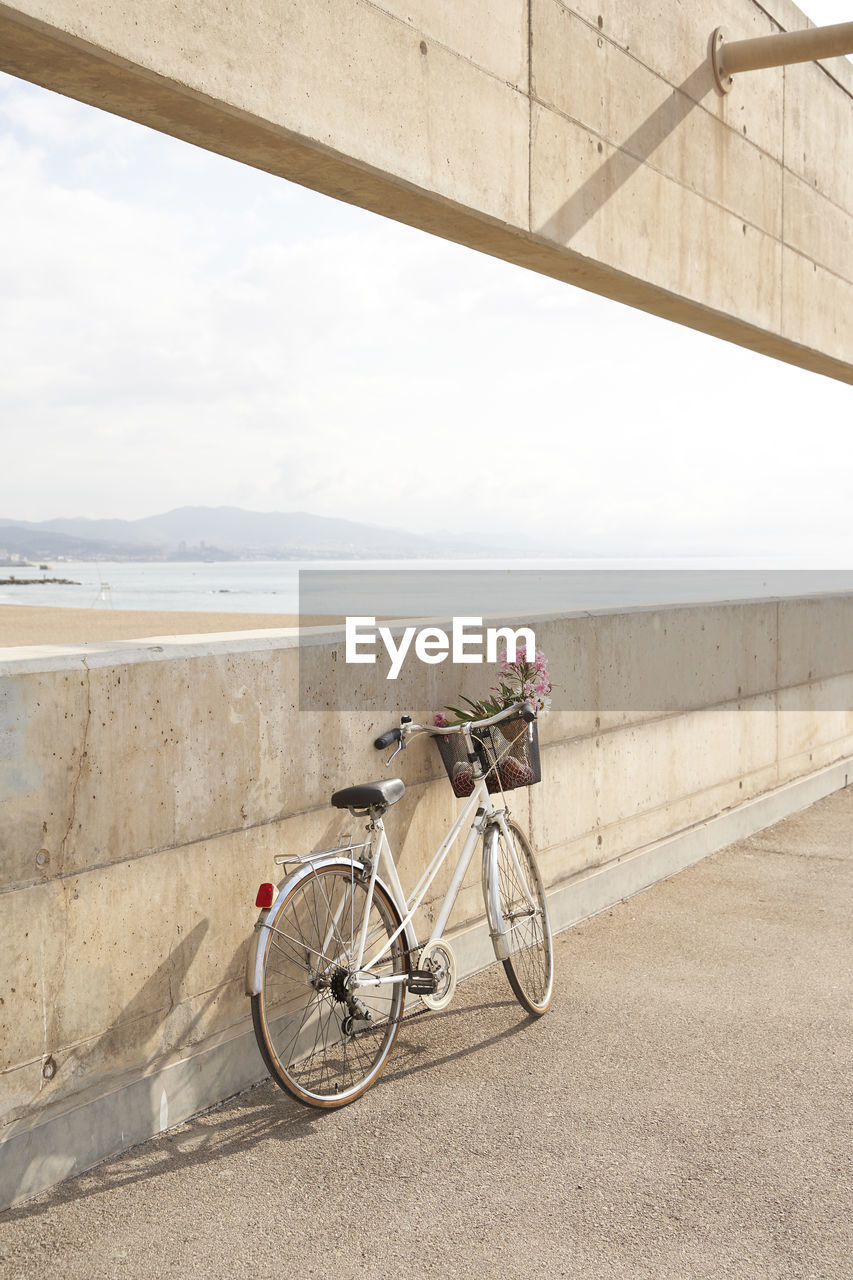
x=508 y=753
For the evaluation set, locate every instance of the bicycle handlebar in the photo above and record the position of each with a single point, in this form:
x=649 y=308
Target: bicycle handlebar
x=526 y=710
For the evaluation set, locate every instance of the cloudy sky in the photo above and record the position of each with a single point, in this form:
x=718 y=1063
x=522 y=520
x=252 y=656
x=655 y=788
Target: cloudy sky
x=179 y=329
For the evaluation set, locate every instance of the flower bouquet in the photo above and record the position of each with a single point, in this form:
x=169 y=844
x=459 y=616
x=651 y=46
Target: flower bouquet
x=509 y=751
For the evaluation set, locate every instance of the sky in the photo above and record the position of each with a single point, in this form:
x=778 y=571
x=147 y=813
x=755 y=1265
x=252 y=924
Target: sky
x=178 y=329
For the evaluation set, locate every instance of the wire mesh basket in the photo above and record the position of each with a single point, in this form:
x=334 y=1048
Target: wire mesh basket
x=508 y=753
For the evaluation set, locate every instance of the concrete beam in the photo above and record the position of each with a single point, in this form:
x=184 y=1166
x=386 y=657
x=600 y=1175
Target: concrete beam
x=593 y=149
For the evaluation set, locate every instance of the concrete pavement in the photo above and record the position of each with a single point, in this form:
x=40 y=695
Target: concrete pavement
x=682 y=1112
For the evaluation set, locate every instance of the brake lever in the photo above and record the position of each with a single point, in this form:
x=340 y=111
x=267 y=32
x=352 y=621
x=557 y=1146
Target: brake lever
x=399 y=747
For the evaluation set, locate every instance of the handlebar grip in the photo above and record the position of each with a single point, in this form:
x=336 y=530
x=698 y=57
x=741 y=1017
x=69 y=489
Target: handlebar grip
x=393 y=735
x=528 y=713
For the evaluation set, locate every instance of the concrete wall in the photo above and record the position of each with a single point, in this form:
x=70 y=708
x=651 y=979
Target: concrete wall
x=146 y=787
x=585 y=141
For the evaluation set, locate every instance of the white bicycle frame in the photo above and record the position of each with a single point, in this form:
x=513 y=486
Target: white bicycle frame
x=479 y=812
x=478 y=800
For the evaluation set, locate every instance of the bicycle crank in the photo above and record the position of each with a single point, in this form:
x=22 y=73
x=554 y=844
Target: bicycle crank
x=438 y=960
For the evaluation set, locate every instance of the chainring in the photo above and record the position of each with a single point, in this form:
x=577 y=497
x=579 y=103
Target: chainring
x=439 y=958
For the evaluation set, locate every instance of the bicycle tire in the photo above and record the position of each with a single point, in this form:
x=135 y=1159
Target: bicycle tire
x=300 y=1013
x=522 y=935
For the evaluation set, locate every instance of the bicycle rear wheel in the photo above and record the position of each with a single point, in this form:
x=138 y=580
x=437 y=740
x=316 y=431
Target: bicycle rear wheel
x=322 y=1040
x=518 y=913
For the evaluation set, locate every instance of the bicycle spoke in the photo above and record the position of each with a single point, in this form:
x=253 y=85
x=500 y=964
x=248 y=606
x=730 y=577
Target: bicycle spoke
x=525 y=929
x=332 y=920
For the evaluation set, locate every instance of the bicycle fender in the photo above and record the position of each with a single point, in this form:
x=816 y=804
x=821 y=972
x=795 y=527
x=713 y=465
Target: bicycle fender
x=490 y=891
x=258 y=941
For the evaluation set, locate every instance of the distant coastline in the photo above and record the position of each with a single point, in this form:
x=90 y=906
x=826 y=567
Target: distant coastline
x=38 y=582
x=273 y=587
x=208 y=535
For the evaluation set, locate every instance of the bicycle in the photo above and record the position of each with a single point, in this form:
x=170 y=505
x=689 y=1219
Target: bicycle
x=335 y=951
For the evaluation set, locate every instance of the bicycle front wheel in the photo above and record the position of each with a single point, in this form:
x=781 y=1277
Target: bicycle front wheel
x=518 y=913
x=324 y=1039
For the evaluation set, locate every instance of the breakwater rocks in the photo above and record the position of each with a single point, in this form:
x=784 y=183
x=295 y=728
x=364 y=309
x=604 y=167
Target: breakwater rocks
x=35 y=582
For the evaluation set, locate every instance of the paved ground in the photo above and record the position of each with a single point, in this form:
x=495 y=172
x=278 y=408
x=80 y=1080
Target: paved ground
x=683 y=1111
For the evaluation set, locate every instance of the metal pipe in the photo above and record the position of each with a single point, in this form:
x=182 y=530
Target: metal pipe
x=777 y=51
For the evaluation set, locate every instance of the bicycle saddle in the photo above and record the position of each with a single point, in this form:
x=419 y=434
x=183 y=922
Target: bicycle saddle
x=370 y=795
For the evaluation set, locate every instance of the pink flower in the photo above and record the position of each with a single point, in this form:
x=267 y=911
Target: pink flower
x=441 y=721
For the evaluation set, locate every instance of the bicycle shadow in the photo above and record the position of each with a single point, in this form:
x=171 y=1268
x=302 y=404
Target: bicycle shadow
x=162 y=1015
x=140 y=1035
x=203 y=1140
x=261 y=1113
x=417 y=1057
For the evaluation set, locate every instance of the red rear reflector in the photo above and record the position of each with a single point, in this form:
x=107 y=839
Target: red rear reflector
x=266 y=893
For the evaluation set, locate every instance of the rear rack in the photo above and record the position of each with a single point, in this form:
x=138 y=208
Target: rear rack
x=348 y=847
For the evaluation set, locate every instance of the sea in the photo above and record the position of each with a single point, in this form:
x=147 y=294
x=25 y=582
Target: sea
x=273 y=587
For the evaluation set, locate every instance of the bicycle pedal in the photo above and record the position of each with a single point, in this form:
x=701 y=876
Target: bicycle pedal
x=422 y=982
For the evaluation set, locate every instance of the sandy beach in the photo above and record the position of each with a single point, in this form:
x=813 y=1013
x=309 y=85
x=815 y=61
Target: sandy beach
x=41 y=624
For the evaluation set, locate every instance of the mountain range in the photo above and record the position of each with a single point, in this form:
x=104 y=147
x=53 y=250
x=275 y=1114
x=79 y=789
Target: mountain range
x=226 y=533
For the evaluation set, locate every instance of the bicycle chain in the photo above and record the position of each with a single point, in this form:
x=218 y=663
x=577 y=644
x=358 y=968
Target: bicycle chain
x=390 y=1022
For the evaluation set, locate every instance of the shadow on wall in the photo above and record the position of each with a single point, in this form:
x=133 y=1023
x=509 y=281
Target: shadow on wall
x=144 y=1032
x=636 y=150
x=162 y=1018
x=143 y=1018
